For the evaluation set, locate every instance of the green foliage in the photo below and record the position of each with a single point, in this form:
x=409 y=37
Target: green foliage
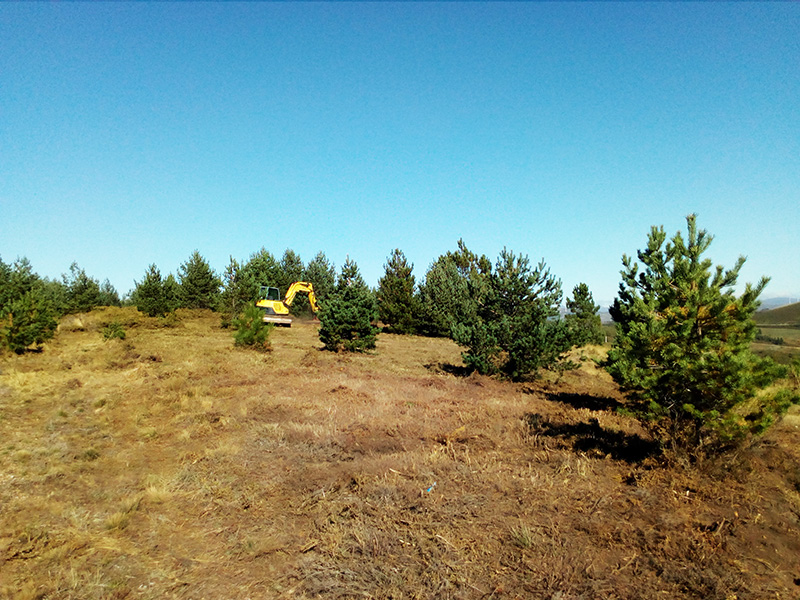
x=348 y=313
x=260 y=269
x=682 y=348
x=767 y=339
x=513 y=327
x=291 y=270
x=27 y=316
x=114 y=331
x=235 y=294
x=82 y=291
x=155 y=296
x=583 y=321
x=56 y=294
x=198 y=284
x=172 y=293
x=109 y=295
x=446 y=295
x=322 y=275
x=251 y=331
x=396 y=299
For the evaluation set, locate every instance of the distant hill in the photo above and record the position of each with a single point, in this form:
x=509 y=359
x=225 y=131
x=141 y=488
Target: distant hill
x=771 y=303
x=785 y=315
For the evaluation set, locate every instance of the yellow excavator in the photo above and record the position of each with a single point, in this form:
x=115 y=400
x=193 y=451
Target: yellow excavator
x=277 y=310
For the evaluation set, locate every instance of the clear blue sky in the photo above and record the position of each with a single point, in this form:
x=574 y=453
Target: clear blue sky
x=135 y=133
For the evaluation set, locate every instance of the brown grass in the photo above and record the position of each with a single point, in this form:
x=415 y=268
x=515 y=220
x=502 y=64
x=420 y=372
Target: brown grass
x=173 y=465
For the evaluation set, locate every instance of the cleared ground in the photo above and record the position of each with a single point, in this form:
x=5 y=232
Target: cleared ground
x=172 y=465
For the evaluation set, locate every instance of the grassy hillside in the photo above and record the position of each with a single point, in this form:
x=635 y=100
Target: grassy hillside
x=785 y=315
x=172 y=465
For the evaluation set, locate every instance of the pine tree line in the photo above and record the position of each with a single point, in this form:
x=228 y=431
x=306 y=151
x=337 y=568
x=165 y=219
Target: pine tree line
x=681 y=350
x=30 y=305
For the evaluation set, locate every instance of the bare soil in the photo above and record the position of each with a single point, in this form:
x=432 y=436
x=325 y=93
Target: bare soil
x=173 y=465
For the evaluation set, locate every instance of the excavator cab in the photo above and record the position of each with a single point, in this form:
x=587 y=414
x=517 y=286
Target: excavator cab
x=270 y=293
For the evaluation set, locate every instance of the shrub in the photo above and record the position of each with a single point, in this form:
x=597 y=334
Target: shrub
x=114 y=331
x=251 y=330
x=682 y=348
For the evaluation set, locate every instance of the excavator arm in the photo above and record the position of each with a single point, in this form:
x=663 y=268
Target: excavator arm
x=301 y=286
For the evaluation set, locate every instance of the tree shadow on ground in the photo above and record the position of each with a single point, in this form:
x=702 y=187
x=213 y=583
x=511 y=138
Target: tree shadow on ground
x=585 y=401
x=592 y=439
x=457 y=370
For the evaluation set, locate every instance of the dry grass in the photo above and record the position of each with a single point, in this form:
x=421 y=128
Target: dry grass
x=173 y=465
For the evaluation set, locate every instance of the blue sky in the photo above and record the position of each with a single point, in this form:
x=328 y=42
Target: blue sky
x=135 y=133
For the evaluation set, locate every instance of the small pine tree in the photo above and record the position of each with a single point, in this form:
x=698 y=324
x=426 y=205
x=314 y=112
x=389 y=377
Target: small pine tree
x=396 y=299
x=237 y=292
x=348 y=314
x=199 y=285
x=682 y=348
x=83 y=292
x=251 y=330
x=109 y=295
x=583 y=319
x=27 y=316
x=150 y=295
x=514 y=329
x=114 y=331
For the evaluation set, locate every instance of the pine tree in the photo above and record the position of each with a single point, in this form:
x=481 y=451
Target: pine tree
x=108 y=294
x=27 y=316
x=396 y=299
x=583 y=318
x=250 y=329
x=446 y=296
x=682 y=348
x=291 y=270
x=322 y=275
x=171 y=290
x=236 y=294
x=514 y=328
x=199 y=285
x=260 y=270
x=348 y=313
x=149 y=294
x=83 y=292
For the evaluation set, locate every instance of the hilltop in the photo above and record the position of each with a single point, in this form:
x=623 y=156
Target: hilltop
x=785 y=315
